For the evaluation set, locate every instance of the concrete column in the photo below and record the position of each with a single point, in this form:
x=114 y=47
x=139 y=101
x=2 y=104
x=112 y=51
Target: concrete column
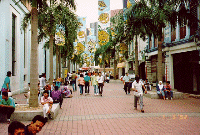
x=171 y=70
x=187 y=32
x=120 y=72
x=153 y=39
x=177 y=32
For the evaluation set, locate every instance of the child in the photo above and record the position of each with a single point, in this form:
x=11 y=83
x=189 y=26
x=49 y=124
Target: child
x=47 y=103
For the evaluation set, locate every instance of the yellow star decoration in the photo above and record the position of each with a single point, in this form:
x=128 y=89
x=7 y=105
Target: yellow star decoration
x=80 y=48
x=129 y=4
x=103 y=37
x=81 y=34
x=104 y=18
x=80 y=24
x=83 y=19
x=113 y=34
x=102 y=5
x=91 y=43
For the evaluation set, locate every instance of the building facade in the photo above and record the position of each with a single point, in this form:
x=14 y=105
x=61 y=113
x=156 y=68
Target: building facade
x=15 y=46
x=181 y=56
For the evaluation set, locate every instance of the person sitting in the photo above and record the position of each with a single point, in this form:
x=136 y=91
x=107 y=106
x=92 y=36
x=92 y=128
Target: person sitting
x=67 y=90
x=7 y=105
x=16 y=128
x=147 y=85
x=107 y=79
x=47 y=103
x=168 y=90
x=36 y=125
x=53 y=86
x=48 y=88
x=58 y=82
x=160 y=90
x=57 y=96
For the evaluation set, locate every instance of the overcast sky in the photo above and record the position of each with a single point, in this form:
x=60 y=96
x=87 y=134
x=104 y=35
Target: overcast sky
x=89 y=9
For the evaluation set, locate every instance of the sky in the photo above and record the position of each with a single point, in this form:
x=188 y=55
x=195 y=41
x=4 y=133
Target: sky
x=89 y=9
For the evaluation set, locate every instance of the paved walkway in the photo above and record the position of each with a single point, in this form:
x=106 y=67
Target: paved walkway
x=113 y=113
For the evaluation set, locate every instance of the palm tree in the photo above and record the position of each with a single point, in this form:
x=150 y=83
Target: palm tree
x=39 y=4
x=34 y=56
x=117 y=35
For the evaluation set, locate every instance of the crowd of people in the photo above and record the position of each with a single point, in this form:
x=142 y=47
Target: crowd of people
x=49 y=94
x=87 y=79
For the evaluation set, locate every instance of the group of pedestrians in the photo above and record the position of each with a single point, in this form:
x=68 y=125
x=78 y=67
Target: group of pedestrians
x=85 y=80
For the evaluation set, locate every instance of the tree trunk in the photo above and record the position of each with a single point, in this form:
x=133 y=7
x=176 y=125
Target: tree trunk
x=115 y=65
x=51 y=60
x=136 y=57
x=159 y=71
x=57 y=60
x=33 y=100
x=68 y=65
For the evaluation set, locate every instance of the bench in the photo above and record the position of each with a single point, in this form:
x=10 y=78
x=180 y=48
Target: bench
x=28 y=115
x=154 y=95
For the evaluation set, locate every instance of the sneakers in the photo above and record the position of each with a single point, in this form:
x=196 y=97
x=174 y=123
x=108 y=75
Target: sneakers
x=171 y=98
x=142 y=111
x=135 y=108
x=166 y=98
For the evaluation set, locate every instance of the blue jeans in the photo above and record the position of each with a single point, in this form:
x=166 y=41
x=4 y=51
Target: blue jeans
x=74 y=84
x=81 y=89
x=161 y=94
x=141 y=101
x=95 y=89
x=167 y=93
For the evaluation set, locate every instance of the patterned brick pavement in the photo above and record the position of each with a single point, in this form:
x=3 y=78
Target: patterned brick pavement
x=113 y=114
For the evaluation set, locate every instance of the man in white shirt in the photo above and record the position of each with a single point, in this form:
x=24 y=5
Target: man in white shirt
x=100 y=80
x=138 y=94
x=42 y=84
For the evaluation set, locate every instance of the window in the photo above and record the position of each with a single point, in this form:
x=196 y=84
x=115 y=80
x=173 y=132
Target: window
x=13 y=44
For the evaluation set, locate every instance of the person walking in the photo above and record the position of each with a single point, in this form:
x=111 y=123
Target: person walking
x=100 y=80
x=42 y=84
x=94 y=82
x=87 y=83
x=73 y=80
x=126 y=81
x=138 y=94
x=6 y=84
x=81 y=83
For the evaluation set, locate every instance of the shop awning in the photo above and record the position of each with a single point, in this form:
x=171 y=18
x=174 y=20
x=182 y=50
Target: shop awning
x=121 y=65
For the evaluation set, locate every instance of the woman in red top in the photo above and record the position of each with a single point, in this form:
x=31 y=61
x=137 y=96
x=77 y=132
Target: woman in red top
x=81 y=83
